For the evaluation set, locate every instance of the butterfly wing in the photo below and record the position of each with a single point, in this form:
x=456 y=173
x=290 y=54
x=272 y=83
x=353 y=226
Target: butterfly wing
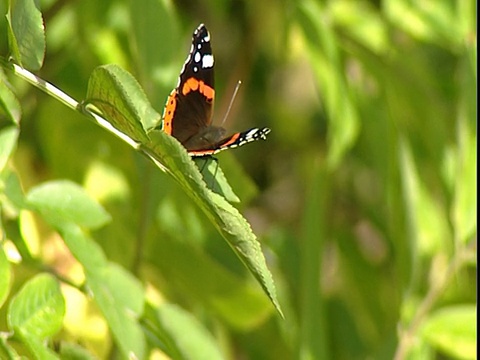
x=189 y=106
x=233 y=141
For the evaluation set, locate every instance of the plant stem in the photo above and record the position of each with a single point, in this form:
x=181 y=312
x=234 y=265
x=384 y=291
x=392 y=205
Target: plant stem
x=67 y=100
x=407 y=335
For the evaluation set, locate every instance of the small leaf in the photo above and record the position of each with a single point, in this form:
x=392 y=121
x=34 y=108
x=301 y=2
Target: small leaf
x=9 y=104
x=36 y=346
x=5 y=276
x=453 y=330
x=37 y=310
x=64 y=201
x=8 y=141
x=26 y=34
x=168 y=324
x=121 y=99
x=121 y=314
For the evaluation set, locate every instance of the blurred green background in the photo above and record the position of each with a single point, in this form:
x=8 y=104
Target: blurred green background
x=363 y=197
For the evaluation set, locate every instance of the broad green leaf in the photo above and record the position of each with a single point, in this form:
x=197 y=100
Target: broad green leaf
x=8 y=102
x=5 y=275
x=8 y=141
x=121 y=320
x=453 y=330
x=26 y=34
x=117 y=293
x=37 y=310
x=62 y=202
x=36 y=346
x=169 y=153
x=122 y=101
x=167 y=326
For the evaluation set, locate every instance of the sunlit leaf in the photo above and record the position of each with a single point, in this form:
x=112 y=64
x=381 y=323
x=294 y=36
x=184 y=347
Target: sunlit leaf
x=120 y=313
x=5 y=276
x=121 y=99
x=453 y=330
x=8 y=141
x=167 y=326
x=26 y=34
x=37 y=310
x=64 y=201
x=9 y=104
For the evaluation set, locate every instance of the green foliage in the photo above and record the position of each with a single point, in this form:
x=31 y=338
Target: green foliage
x=366 y=197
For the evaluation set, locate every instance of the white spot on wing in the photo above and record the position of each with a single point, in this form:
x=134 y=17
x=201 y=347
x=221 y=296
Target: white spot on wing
x=207 y=61
x=197 y=57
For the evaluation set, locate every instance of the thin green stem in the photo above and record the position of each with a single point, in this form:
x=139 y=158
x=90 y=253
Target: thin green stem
x=407 y=335
x=67 y=100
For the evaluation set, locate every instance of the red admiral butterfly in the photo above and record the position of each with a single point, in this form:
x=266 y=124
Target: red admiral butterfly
x=188 y=112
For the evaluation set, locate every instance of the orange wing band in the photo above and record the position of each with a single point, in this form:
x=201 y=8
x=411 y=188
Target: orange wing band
x=168 y=113
x=193 y=84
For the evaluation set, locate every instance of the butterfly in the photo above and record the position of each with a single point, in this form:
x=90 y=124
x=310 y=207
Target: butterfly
x=187 y=115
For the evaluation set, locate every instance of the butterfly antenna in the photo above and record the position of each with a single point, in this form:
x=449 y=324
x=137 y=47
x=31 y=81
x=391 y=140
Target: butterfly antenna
x=231 y=101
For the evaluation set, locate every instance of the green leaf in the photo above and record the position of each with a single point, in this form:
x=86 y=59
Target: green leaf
x=167 y=326
x=453 y=331
x=118 y=294
x=215 y=178
x=5 y=276
x=122 y=101
x=14 y=191
x=37 y=310
x=8 y=142
x=36 y=346
x=9 y=104
x=169 y=153
x=119 y=298
x=7 y=352
x=62 y=202
x=26 y=34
